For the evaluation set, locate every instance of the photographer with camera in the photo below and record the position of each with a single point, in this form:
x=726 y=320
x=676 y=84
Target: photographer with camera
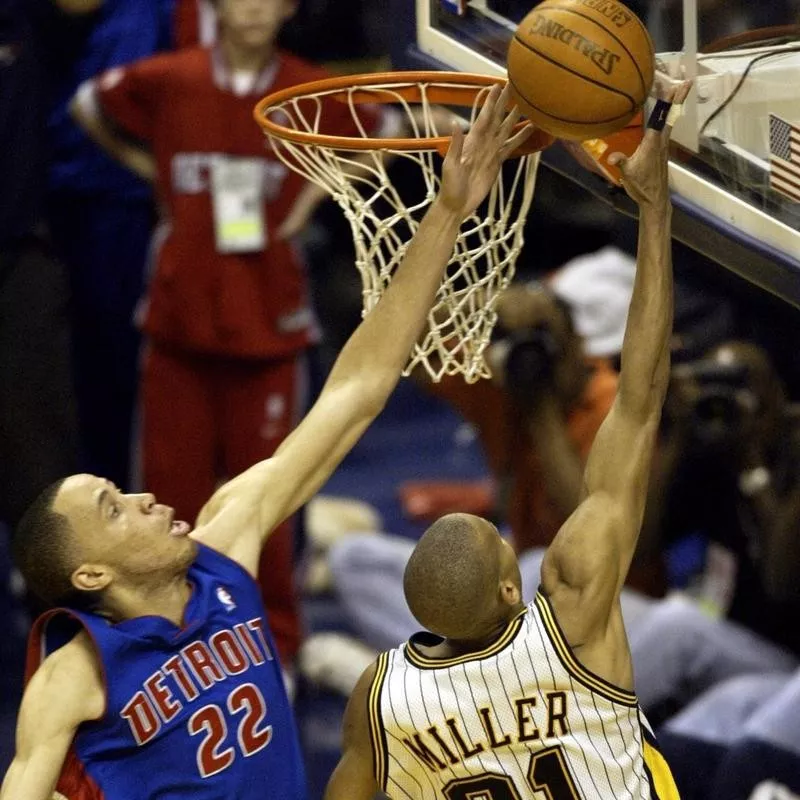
x=728 y=470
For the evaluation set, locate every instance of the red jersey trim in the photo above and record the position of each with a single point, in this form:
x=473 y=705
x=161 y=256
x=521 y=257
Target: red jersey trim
x=74 y=783
x=37 y=650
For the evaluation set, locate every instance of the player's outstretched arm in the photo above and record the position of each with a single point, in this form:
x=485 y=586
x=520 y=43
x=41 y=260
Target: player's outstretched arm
x=588 y=561
x=64 y=692
x=243 y=512
x=354 y=777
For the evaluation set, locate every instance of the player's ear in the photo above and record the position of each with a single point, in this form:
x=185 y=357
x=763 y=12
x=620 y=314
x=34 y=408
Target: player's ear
x=91 y=577
x=510 y=593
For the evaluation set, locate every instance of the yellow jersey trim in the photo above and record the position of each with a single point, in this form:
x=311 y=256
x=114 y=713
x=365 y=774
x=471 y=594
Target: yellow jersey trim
x=593 y=682
x=377 y=735
x=424 y=662
x=663 y=782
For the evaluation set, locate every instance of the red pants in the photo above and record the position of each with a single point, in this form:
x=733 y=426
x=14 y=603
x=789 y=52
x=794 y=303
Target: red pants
x=206 y=419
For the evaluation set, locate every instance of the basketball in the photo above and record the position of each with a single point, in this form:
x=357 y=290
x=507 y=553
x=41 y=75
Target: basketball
x=581 y=69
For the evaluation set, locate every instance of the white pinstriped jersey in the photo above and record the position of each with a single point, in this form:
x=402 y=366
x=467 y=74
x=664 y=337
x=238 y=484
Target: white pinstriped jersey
x=521 y=719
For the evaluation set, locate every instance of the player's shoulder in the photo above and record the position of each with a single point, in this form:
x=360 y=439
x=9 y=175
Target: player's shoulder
x=75 y=664
x=70 y=680
x=357 y=714
x=177 y=65
x=370 y=673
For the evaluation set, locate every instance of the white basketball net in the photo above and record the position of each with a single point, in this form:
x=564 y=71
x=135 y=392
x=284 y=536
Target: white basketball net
x=462 y=318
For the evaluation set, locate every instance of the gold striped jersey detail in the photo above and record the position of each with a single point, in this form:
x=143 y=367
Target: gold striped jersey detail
x=572 y=665
x=377 y=732
x=661 y=781
x=424 y=662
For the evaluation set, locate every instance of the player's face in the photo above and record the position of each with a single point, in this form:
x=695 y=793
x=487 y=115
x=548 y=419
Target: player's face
x=254 y=23
x=128 y=535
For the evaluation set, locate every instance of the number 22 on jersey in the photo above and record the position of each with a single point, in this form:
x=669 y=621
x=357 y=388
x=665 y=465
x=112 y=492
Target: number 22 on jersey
x=246 y=707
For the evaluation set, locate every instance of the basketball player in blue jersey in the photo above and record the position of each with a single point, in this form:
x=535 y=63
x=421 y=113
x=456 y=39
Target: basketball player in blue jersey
x=503 y=701
x=159 y=677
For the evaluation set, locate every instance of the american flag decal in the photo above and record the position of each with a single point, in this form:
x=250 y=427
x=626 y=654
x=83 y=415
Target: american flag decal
x=784 y=157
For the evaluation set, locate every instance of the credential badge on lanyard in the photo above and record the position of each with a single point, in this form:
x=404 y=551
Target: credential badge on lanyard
x=237 y=192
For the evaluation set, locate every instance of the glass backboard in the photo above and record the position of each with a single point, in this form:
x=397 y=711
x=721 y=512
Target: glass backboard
x=745 y=56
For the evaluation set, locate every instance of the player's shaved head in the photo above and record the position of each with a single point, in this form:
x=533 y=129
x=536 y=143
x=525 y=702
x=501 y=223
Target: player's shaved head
x=453 y=577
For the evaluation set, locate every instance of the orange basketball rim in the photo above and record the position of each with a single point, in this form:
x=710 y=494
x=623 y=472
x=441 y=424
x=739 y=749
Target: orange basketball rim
x=353 y=170
x=457 y=89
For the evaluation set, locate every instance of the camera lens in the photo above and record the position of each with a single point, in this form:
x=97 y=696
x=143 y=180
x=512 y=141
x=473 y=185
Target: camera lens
x=531 y=360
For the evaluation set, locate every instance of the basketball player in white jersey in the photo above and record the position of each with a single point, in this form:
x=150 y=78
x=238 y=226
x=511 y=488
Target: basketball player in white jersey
x=505 y=701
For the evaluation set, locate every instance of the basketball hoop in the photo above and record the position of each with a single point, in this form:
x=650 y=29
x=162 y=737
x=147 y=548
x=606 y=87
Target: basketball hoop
x=353 y=170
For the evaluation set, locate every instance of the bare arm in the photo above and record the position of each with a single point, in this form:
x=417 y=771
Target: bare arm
x=87 y=114
x=242 y=513
x=353 y=778
x=65 y=691
x=585 y=567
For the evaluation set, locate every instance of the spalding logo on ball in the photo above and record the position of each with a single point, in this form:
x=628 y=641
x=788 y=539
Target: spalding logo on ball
x=581 y=69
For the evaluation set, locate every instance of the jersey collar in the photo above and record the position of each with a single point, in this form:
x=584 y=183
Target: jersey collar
x=223 y=79
x=418 y=659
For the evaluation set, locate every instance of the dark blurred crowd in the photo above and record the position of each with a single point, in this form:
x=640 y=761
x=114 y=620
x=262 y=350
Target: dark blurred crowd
x=156 y=332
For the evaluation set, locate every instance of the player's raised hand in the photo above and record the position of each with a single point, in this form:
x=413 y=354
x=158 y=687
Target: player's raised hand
x=645 y=175
x=474 y=159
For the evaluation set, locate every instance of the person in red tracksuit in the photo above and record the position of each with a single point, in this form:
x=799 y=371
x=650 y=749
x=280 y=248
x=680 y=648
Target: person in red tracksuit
x=227 y=315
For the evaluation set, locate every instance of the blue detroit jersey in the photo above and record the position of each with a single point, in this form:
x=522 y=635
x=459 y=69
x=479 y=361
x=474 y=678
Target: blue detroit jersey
x=198 y=711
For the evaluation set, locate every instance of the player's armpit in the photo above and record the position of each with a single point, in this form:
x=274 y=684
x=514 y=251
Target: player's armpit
x=64 y=692
x=353 y=778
